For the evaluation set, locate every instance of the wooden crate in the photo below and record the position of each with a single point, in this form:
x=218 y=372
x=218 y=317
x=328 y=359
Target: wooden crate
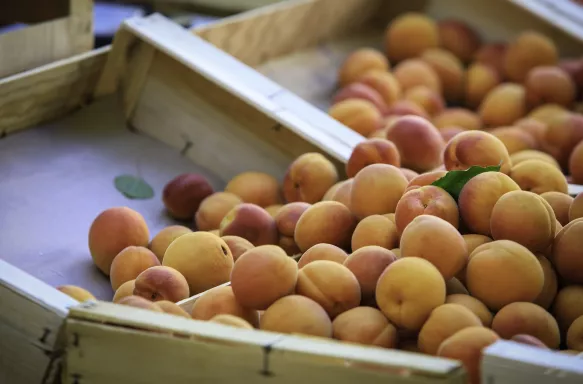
x=168 y=100
x=56 y=30
x=301 y=44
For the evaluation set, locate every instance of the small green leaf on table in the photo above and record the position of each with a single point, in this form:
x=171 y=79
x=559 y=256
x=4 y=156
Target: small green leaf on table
x=133 y=187
x=454 y=181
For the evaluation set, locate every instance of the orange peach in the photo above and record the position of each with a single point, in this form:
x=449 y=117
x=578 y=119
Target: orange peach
x=360 y=62
x=575 y=335
x=538 y=176
x=161 y=283
x=129 y=263
x=322 y=251
x=472 y=242
x=403 y=108
x=413 y=72
x=560 y=203
x=450 y=71
x=384 y=83
x=288 y=244
x=424 y=179
x=139 y=302
x=372 y=151
x=256 y=188
x=568 y=306
x=550 y=287
x=492 y=54
x=360 y=91
x=365 y=325
x=476 y=148
x=308 y=178
x=567 y=253
x=172 y=308
x=480 y=80
x=165 y=237
x=530 y=49
x=474 y=305
x=213 y=209
x=549 y=84
x=222 y=301
x=576 y=208
x=547 y=113
x=230 y=320
x=77 y=293
x=237 y=245
x=537 y=129
x=409 y=35
x=458 y=117
x=183 y=194
x=576 y=163
x=287 y=217
x=503 y=105
x=250 y=222
x=360 y=115
x=459 y=38
x=449 y=132
x=342 y=193
x=530 y=154
x=367 y=264
x=426 y=98
x=515 y=139
x=375 y=230
x=563 y=134
x=297 y=314
x=124 y=290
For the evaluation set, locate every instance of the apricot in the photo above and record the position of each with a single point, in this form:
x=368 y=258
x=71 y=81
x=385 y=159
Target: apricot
x=527 y=318
x=467 y=346
x=480 y=80
x=530 y=49
x=365 y=325
x=183 y=194
x=288 y=244
x=409 y=174
x=547 y=113
x=256 y=188
x=404 y=108
x=549 y=84
x=492 y=54
x=409 y=35
x=450 y=71
x=503 y=105
x=536 y=129
x=576 y=163
x=384 y=83
x=476 y=306
x=376 y=230
x=360 y=115
x=214 y=208
x=560 y=203
x=415 y=72
x=424 y=179
x=113 y=230
x=502 y=272
x=129 y=263
x=568 y=306
x=262 y=275
x=204 y=259
x=161 y=283
x=472 y=240
x=139 y=302
x=476 y=148
x=287 y=217
x=530 y=154
x=295 y=314
x=515 y=139
x=237 y=245
x=308 y=178
x=126 y=289
x=458 y=117
x=448 y=133
x=575 y=335
x=359 y=62
x=325 y=222
x=222 y=301
x=372 y=151
x=563 y=134
x=426 y=200
x=529 y=340
x=165 y=237
x=77 y=293
x=230 y=320
x=576 y=208
x=322 y=251
x=550 y=287
x=459 y=38
x=426 y=98
x=360 y=91
x=367 y=264
x=538 y=176
x=408 y=290
x=250 y=222
x=478 y=197
x=172 y=308
x=567 y=253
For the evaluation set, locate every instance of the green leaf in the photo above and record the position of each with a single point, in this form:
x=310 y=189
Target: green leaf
x=133 y=187
x=454 y=181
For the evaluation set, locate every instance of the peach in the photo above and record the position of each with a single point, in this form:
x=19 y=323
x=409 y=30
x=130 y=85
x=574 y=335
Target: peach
x=529 y=340
x=183 y=194
x=476 y=148
x=560 y=203
x=550 y=287
x=547 y=113
x=322 y=251
x=213 y=209
x=408 y=291
x=466 y=346
x=161 y=283
x=359 y=62
x=165 y=237
x=515 y=139
x=458 y=117
x=376 y=230
x=308 y=178
x=409 y=174
x=450 y=71
x=365 y=325
x=172 y=308
x=230 y=320
x=237 y=245
x=262 y=275
x=472 y=242
x=576 y=208
x=419 y=143
x=549 y=84
x=523 y=217
x=426 y=98
x=256 y=188
x=287 y=217
x=222 y=301
x=502 y=272
x=480 y=80
x=343 y=193
x=409 y=35
x=575 y=335
x=113 y=230
x=503 y=105
x=443 y=322
x=449 y=132
x=129 y=263
x=139 y=302
x=360 y=115
x=367 y=264
x=416 y=72
x=530 y=154
x=250 y=222
x=567 y=253
x=325 y=222
x=574 y=67
x=126 y=289
x=563 y=134
x=403 y=108
x=530 y=49
x=376 y=190
x=77 y=293
x=476 y=306
x=297 y=314
x=537 y=129
x=360 y=91
x=384 y=83
x=204 y=259
x=568 y=306
x=459 y=38
x=478 y=197
x=538 y=176
x=576 y=163
x=424 y=179
x=426 y=200
x=492 y=54
x=527 y=318
x=372 y=151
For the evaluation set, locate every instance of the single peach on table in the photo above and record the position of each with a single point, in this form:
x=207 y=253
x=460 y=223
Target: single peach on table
x=376 y=230
x=575 y=335
x=550 y=287
x=515 y=139
x=424 y=179
x=322 y=251
x=529 y=340
x=113 y=230
x=221 y=300
x=308 y=178
x=426 y=98
x=409 y=35
x=204 y=259
x=530 y=154
x=405 y=107
x=172 y=308
x=528 y=50
x=492 y=54
x=124 y=290
x=139 y=302
x=360 y=91
x=458 y=117
x=459 y=38
x=360 y=115
x=161 y=283
x=230 y=320
x=129 y=263
x=165 y=237
x=414 y=72
x=250 y=222
x=568 y=306
x=480 y=80
x=449 y=69
x=367 y=264
x=365 y=325
x=359 y=62
x=372 y=151
x=77 y=293
x=576 y=164
x=296 y=314
x=560 y=203
x=384 y=83
x=214 y=208
x=567 y=253
x=576 y=208
x=503 y=105
x=408 y=291
x=474 y=305
x=539 y=176
x=262 y=275
x=476 y=148
x=183 y=194
x=502 y=272
x=237 y=245
x=549 y=84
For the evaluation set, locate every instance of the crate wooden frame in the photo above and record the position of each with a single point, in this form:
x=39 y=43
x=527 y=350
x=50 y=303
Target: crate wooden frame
x=45 y=42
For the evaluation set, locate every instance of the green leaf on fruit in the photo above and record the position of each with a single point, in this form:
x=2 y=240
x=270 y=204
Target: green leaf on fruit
x=454 y=181
x=133 y=187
